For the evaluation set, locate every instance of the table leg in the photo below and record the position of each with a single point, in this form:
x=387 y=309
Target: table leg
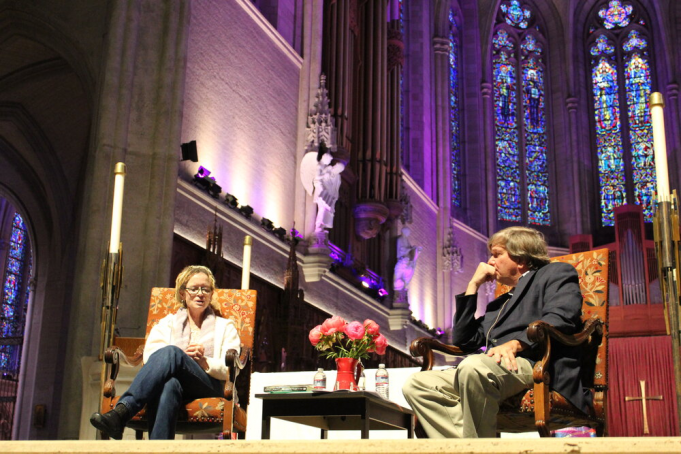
x=410 y=428
x=325 y=434
x=265 y=432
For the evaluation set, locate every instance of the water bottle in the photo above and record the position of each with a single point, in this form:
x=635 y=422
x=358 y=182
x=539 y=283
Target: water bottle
x=382 y=381
x=361 y=383
x=319 y=383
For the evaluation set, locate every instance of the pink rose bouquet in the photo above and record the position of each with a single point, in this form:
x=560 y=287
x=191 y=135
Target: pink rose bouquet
x=336 y=338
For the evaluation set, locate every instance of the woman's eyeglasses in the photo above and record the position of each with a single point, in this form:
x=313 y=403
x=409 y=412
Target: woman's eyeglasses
x=193 y=291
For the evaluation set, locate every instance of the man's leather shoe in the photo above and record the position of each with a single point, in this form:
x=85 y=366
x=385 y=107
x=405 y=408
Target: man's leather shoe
x=111 y=423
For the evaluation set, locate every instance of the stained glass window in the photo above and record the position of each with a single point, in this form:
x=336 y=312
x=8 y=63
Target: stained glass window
x=520 y=119
x=515 y=15
x=536 y=171
x=616 y=14
x=621 y=84
x=15 y=294
x=454 y=99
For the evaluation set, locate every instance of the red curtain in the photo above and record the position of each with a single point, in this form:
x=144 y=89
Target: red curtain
x=632 y=359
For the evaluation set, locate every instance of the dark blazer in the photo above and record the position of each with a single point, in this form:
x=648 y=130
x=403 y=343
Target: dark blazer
x=550 y=294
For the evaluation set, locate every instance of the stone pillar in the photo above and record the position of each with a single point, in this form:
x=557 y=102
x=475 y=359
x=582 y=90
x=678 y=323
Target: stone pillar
x=441 y=47
x=490 y=157
x=305 y=208
x=138 y=121
x=573 y=147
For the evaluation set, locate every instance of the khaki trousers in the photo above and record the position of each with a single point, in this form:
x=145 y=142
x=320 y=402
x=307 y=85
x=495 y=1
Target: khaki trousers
x=464 y=402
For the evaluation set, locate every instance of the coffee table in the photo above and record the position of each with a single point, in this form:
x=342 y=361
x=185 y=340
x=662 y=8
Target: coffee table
x=337 y=410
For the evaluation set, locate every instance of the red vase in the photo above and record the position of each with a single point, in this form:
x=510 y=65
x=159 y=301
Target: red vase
x=348 y=371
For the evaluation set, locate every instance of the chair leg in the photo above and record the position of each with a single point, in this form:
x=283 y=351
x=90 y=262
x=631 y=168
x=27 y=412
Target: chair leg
x=102 y=435
x=139 y=435
x=418 y=429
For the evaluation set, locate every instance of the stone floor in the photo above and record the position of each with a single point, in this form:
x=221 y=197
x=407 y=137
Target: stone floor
x=510 y=445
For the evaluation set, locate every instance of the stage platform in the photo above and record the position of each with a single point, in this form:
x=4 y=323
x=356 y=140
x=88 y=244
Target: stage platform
x=377 y=446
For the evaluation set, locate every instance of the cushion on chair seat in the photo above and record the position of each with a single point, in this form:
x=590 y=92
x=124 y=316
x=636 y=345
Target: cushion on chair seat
x=199 y=415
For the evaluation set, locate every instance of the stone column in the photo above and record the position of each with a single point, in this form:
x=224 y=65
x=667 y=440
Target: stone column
x=573 y=147
x=305 y=208
x=441 y=47
x=138 y=121
x=490 y=156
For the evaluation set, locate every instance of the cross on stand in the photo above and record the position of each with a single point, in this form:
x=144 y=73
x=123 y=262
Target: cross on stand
x=643 y=399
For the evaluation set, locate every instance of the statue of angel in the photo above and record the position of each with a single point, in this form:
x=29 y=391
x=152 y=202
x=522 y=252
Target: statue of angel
x=406 y=261
x=322 y=181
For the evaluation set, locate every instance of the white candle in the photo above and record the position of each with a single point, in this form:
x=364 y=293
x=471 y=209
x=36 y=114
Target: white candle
x=660 y=145
x=117 y=216
x=245 y=277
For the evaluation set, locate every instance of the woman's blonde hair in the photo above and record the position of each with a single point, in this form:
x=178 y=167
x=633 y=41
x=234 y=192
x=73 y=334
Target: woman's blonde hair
x=185 y=275
x=523 y=244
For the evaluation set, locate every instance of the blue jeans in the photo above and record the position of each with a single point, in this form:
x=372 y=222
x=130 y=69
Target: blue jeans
x=168 y=379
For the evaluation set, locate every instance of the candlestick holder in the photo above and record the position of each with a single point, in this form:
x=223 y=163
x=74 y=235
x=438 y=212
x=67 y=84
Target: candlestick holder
x=110 y=282
x=666 y=231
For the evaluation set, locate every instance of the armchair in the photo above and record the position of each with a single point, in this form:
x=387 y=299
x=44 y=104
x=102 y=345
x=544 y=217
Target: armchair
x=206 y=415
x=541 y=408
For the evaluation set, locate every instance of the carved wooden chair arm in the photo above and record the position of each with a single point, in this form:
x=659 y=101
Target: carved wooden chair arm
x=538 y=331
x=114 y=356
x=542 y=333
x=424 y=346
x=235 y=363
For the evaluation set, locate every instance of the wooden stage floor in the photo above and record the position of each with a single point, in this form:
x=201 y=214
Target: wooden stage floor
x=498 y=445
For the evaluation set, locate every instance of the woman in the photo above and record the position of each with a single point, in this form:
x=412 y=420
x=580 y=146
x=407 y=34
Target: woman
x=184 y=359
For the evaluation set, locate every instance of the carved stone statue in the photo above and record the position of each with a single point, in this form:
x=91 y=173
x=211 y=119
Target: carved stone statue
x=322 y=181
x=406 y=261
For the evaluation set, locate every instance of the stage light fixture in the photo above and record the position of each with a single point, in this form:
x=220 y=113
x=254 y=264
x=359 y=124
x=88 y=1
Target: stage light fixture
x=266 y=224
x=280 y=233
x=189 y=152
x=203 y=180
x=246 y=210
x=202 y=173
x=231 y=201
x=215 y=190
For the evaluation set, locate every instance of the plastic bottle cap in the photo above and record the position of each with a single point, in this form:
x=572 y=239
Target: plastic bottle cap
x=381 y=366
x=321 y=369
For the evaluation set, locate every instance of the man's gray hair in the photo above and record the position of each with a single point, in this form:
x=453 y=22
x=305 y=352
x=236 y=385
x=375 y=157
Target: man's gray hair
x=524 y=245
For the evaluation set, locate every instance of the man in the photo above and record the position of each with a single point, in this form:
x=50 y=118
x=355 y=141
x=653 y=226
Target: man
x=464 y=402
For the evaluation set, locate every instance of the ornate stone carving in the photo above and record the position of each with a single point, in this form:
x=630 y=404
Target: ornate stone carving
x=320 y=123
x=407 y=255
x=441 y=45
x=317 y=261
x=368 y=218
x=405 y=199
x=319 y=176
x=452 y=257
